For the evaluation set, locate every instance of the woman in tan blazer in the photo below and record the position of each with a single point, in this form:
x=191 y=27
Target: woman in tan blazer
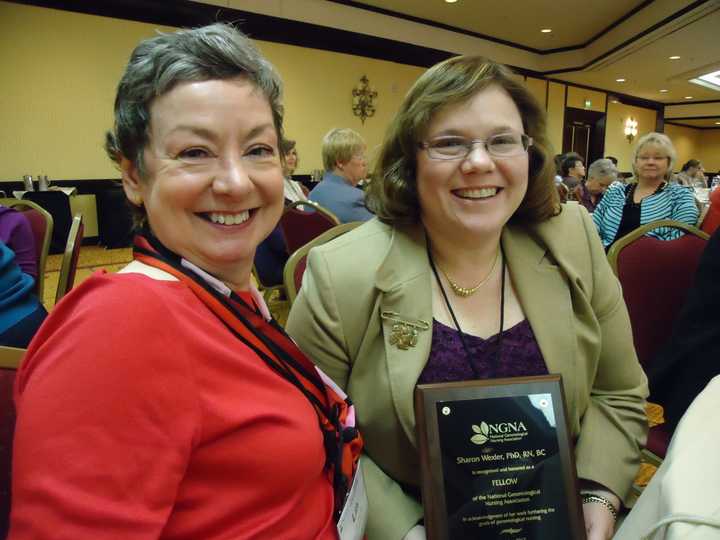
x=470 y=239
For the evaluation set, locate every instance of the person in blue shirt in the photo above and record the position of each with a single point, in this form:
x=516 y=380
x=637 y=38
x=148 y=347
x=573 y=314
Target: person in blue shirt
x=648 y=197
x=21 y=314
x=343 y=152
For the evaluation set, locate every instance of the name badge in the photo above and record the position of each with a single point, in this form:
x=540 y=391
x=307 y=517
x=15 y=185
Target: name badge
x=351 y=525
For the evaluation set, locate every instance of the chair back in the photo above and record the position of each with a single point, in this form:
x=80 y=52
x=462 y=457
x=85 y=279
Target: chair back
x=42 y=225
x=10 y=358
x=304 y=220
x=655 y=276
x=712 y=217
x=295 y=266
x=68 y=267
x=58 y=205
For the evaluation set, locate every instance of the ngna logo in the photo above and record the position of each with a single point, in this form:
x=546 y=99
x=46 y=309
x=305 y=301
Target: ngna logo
x=500 y=432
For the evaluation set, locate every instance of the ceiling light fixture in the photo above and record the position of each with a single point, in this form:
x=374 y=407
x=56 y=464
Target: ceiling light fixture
x=619 y=80
x=708 y=80
x=688 y=97
x=717 y=123
x=546 y=30
x=663 y=90
x=671 y=57
x=450 y=1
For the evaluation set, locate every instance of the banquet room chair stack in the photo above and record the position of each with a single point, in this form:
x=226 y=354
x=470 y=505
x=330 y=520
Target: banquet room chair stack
x=10 y=358
x=58 y=205
x=303 y=221
x=656 y=276
x=68 y=267
x=42 y=225
x=295 y=266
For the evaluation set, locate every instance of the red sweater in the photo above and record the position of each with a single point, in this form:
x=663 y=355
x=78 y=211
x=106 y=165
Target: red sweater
x=141 y=417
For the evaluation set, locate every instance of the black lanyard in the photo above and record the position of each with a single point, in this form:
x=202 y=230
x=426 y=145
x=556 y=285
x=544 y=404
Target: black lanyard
x=283 y=363
x=455 y=321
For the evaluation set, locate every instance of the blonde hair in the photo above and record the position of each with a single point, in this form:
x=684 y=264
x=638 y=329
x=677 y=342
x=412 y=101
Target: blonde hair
x=663 y=142
x=339 y=146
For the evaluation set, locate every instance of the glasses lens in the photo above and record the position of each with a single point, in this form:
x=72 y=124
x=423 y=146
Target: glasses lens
x=507 y=144
x=448 y=147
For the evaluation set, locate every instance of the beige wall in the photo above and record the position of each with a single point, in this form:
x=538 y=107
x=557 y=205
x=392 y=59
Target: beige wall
x=709 y=150
x=556 y=115
x=65 y=66
x=686 y=141
x=538 y=88
x=615 y=142
x=576 y=98
x=318 y=95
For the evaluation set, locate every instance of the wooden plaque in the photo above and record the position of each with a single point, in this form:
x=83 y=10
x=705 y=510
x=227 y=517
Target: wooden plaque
x=497 y=460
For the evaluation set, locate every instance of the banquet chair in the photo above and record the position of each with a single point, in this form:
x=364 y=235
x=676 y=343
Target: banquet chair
x=68 y=267
x=304 y=220
x=42 y=225
x=295 y=266
x=58 y=205
x=10 y=358
x=655 y=276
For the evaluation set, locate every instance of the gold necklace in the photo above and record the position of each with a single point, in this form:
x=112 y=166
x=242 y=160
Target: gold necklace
x=464 y=292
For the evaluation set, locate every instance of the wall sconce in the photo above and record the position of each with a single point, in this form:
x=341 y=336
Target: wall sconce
x=630 y=129
x=363 y=96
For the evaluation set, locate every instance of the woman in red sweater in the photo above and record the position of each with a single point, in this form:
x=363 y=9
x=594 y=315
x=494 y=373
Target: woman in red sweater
x=163 y=402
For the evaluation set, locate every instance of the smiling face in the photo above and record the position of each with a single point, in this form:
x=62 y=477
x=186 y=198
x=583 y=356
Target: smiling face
x=214 y=186
x=652 y=163
x=467 y=199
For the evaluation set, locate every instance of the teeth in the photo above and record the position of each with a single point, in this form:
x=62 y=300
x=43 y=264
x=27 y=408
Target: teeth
x=229 y=219
x=481 y=193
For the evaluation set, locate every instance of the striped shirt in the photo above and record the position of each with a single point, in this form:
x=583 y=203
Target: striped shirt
x=673 y=202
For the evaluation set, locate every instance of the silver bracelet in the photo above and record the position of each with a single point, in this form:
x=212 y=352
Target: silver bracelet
x=592 y=498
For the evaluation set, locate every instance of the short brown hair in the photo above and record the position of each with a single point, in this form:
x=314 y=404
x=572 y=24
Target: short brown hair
x=393 y=196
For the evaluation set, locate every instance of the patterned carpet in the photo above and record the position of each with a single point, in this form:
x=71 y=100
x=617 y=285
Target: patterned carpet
x=92 y=258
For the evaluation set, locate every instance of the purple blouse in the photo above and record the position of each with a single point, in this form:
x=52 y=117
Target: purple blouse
x=520 y=355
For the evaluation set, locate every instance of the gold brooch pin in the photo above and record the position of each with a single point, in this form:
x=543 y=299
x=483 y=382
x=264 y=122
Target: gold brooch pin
x=404 y=333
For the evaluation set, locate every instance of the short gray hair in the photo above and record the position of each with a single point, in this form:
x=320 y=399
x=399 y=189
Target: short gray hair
x=602 y=168
x=215 y=52
x=663 y=142
x=339 y=146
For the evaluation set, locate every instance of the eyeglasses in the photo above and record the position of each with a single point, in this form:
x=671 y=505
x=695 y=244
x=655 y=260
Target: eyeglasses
x=502 y=145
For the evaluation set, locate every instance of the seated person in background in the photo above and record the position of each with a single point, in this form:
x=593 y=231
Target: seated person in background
x=271 y=254
x=472 y=249
x=293 y=190
x=573 y=171
x=648 y=196
x=343 y=153
x=692 y=174
x=589 y=192
x=692 y=355
x=16 y=233
x=21 y=314
x=160 y=402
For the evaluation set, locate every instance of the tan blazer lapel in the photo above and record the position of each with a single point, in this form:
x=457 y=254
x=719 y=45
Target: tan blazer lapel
x=405 y=306
x=545 y=297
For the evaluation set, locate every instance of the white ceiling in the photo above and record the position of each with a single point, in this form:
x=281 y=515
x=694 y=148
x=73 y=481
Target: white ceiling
x=519 y=21
x=642 y=41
